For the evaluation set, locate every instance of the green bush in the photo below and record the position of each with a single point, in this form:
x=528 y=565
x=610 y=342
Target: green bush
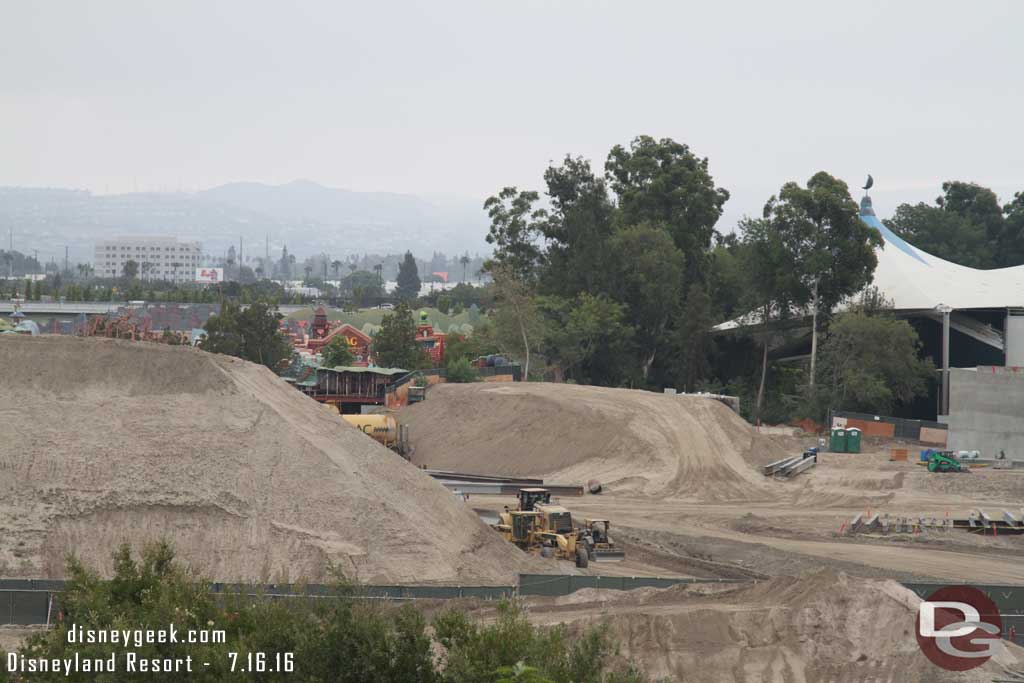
x=336 y=639
x=461 y=371
x=337 y=353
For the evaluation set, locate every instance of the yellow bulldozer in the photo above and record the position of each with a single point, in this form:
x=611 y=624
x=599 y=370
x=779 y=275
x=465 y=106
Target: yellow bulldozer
x=538 y=525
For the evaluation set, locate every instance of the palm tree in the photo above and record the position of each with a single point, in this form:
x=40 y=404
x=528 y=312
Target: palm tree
x=175 y=265
x=464 y=260
x=379 y=268
x=309 y=270
x=336 y=266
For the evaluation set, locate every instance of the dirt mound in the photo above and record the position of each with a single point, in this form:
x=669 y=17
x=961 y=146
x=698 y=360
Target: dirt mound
x=631 y=441
x=824 y=626
x=104 y=441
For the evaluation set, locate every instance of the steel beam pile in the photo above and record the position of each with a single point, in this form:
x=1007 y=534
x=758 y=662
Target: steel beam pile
x=482 y=484
x=790 y=467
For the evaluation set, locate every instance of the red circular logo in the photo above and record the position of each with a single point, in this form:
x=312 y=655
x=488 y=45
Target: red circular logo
x=958 y=628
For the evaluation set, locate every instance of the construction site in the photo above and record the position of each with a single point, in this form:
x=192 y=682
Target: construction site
x=712 y=549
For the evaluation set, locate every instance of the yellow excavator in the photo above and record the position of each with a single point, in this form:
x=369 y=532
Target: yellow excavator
x=540 y=525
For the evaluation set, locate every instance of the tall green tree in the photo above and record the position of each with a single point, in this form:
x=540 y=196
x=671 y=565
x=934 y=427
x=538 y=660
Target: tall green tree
x=588 y=339
x=515 y=229
x=647 y=277
x=966 y=226
x=518 y=324
x=871 y=363
x=252 y=333
x=577 y=229
x=394 y=344
x=337 y=353
x=727 y=277
x=830 y=251
x=662 y=182
x=693 y=336
x=771 y=287
x=408 y=287
x=1011 y=242
x=943 y=234
x=131 y=269
x=976 y=204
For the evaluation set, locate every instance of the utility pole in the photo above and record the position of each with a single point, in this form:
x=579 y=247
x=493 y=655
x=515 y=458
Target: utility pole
x=10 y=253
x=66 y=267
x=945 y=311
x=814 y=332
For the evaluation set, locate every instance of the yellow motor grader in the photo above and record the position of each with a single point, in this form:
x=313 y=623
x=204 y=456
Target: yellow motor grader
x=540 y=526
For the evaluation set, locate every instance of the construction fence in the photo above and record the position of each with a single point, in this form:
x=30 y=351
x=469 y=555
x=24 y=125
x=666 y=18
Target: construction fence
x=890 y=427
x=26 y=602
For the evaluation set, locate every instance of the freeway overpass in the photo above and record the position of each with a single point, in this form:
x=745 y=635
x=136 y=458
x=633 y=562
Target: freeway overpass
x=92 y=307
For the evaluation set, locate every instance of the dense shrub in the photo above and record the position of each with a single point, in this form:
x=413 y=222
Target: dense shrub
x=336 y=639
x=462 y=371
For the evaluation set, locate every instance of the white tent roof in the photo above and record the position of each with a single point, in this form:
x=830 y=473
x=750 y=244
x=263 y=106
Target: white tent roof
x=916 y=280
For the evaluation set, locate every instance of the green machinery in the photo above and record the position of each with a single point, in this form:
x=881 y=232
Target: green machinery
x=944 y=461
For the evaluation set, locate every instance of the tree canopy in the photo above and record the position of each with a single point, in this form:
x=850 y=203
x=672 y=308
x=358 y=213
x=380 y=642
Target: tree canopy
x=337 y=353
x=394 y=344
x=251 y=333
x=966 y=225
x=408 y=281
x=608 y=251
x=871 y=363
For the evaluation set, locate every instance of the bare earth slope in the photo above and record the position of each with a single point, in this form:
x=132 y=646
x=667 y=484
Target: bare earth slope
x=823 y=626
x=104 y=441
x=632 y=441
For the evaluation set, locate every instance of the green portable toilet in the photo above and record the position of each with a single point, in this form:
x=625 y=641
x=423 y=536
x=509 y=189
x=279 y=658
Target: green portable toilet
x=853 y=440
x=837 y=442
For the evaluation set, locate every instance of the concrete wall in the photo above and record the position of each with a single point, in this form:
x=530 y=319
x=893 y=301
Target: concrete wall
x=1013 y=339
x=986 y=411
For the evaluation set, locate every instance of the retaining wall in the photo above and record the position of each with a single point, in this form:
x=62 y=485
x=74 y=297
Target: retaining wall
x=986 y=407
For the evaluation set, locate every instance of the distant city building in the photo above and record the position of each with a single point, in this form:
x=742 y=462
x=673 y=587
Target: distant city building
x=158 y=258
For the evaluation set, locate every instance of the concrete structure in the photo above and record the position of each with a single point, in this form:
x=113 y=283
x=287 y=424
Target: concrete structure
x=159 y=258
x=986 y=406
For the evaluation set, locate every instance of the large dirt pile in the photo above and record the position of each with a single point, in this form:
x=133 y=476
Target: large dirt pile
x=104 y=441
x=631 y=441
x=825 y=626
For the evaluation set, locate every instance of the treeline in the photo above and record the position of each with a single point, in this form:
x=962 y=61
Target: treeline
x=336 y=639
x=462 y=268
x=17 y=264
x=966 y=225
x=58 y=287
x=620 y=280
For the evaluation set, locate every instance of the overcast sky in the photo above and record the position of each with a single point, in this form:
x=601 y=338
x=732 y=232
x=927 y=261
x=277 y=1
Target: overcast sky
x=461 y=98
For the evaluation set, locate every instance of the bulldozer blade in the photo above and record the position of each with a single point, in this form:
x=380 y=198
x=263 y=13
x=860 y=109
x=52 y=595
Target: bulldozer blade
x=609 y=556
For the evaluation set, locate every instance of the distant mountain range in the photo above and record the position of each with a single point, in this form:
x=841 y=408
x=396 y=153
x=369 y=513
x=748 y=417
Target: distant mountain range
x=307 y=217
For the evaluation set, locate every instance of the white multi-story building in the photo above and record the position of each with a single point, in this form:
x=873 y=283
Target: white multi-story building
x=158 y=258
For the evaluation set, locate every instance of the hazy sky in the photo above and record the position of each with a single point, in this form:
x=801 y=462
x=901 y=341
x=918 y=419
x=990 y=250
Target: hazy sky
x=462 y=98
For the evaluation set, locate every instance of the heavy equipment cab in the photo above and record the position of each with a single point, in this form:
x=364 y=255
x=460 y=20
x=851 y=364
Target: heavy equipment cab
x=521 y=526
x=533 y=496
